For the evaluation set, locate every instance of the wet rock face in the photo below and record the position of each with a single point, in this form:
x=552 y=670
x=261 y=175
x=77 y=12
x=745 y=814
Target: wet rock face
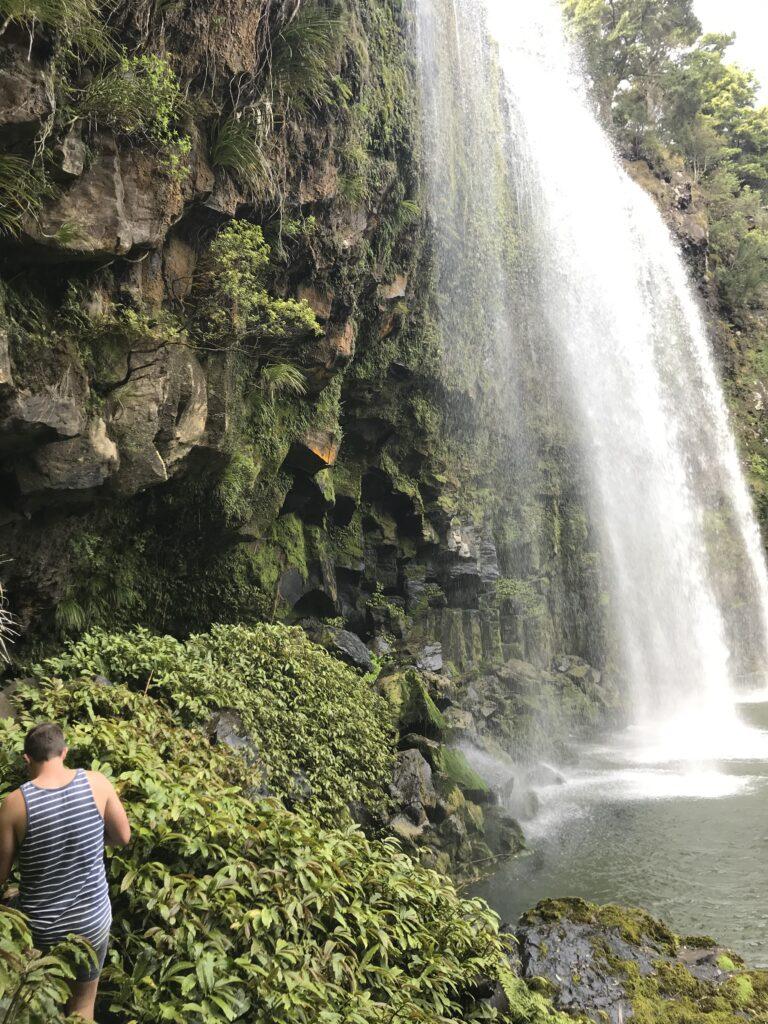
x=603 y=962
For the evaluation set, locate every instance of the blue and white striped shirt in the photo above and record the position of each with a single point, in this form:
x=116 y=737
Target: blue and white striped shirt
x=63 y=879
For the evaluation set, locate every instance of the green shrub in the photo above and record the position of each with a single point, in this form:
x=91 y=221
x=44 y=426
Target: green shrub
x=140 y=97
x=310 y=715
x=237 y=306
x=229 y=909
x=34 y=988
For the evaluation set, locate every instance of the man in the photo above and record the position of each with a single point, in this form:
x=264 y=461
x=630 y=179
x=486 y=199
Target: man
x=57 y=824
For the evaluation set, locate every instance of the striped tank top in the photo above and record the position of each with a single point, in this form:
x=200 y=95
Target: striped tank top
x=63 y=888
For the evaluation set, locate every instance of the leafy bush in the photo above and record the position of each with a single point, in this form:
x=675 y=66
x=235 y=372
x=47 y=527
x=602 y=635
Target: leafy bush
x=236 y=308
x=140 y=97
x=314 y=720
x=34 y=988
x=228 y=909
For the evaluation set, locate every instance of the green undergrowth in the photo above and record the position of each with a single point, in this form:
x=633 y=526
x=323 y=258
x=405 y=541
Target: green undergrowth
x=232 y=909
x=320 y=729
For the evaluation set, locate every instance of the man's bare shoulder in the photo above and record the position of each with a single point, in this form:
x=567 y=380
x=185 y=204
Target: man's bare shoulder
x=13 y=807
x=99 y=779
x=99 y=782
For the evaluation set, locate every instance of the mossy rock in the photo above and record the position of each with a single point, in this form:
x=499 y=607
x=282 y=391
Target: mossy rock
x=419 y=712
x=457 y=770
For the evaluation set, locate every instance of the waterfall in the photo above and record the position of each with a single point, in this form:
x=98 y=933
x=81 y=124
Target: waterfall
x=605 y=287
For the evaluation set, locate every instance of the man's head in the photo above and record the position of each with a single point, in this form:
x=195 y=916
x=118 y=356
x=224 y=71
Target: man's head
x=44 y=743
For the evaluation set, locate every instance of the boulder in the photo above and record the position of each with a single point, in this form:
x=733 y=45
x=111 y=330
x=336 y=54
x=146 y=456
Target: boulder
x=459 y=721
x=394 y=290
x=6 y=376
x=25 y=93
x=544 y=775
x=79 y=464
x=319 y=300
x=412 y=782
x=594 y=959
x=314 y=451
x=32 y=418
x=71 y=154
x=327 y=356
x=428 y=748
x=430 y=658
x=226 y=727
x=350 y=648
x=157 y=418
x=473 y=563
x=119 y=203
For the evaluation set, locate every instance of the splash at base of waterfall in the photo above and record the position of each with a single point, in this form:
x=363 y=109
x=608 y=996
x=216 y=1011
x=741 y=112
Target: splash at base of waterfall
x=682 y=838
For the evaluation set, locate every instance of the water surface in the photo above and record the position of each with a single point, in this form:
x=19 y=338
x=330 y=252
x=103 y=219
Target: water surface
x=688 y=842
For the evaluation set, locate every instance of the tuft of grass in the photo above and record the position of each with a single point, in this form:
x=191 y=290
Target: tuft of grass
x=283 y=379
x=304 y=58
x=23 y=190
x=71 y=618
x=8 y=631
x=238 y=146
x=77 y=21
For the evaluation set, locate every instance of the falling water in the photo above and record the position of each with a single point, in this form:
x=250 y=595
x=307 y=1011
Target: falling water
x=608 y=289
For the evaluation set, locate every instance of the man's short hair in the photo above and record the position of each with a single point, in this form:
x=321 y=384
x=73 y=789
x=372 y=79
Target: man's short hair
x=44 y=742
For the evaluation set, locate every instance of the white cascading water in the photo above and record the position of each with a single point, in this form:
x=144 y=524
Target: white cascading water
x=668 y=496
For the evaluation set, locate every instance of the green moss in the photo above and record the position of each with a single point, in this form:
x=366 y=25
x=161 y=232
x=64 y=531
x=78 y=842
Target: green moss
x=419 y=712
x=634 y=925
x=454 y=765
x=725 y=963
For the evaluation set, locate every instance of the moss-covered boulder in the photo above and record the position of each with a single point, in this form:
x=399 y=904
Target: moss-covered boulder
x=612 y=964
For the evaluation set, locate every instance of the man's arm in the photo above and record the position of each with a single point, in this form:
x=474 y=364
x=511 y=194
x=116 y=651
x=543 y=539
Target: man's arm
x=117 y=828
x=10 y=811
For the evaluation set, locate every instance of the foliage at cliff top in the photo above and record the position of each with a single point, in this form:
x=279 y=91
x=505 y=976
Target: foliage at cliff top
x=670 y=94
x=228 y=909
x=323 y=735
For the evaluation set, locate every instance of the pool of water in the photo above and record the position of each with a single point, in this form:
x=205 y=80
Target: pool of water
x=686 y=841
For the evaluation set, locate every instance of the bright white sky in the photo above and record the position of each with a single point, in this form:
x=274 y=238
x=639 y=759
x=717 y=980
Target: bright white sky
x=749 y=20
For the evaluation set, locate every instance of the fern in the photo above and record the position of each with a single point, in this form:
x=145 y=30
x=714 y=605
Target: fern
x=70 y=615
x=283 y=379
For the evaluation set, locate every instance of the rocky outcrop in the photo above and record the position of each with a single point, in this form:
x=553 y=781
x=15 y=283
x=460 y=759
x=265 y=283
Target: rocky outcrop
x=611 y=964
